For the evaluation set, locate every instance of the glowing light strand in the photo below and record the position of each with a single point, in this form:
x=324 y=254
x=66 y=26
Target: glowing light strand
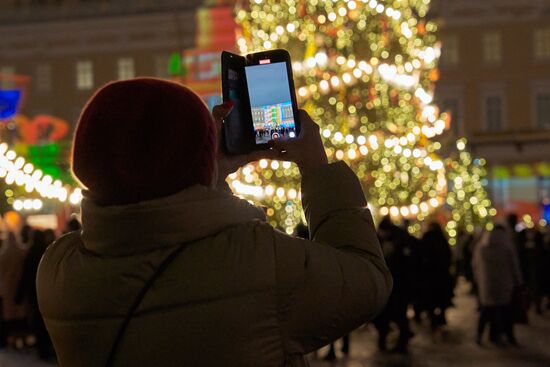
x=15 y=170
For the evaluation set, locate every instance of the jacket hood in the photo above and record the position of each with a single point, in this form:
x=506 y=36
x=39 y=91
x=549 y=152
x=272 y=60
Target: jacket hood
x=191 y=214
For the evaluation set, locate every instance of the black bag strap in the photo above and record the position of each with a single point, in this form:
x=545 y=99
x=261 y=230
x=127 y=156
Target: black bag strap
x=141 y=295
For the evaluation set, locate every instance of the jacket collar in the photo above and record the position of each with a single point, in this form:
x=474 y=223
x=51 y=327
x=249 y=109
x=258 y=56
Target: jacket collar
x=191 y=214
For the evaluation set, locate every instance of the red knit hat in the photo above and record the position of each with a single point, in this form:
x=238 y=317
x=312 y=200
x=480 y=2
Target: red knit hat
x=142 y=139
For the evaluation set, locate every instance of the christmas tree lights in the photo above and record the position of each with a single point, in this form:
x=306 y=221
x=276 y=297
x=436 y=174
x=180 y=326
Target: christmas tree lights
x=366 y=72
x=467 y=201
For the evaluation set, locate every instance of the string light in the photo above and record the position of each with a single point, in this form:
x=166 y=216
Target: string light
x=375 y=105
x=14 y=170
x=27 y=204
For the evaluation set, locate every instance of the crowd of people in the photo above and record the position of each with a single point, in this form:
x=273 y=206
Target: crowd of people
x=22 y=247
x=276 y=132
x=508 y=269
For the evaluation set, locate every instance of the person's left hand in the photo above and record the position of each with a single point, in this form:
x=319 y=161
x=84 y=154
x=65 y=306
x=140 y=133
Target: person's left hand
x=228 y=164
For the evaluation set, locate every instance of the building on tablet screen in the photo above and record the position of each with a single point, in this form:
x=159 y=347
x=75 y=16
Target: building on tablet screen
x=273 y=121
x=273 y=116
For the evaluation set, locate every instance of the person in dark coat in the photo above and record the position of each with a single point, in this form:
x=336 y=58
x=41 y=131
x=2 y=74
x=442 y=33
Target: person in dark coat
x=533 y=273
x=518 y=235
x=397 y=250
x=546 y=267
x=436 y=267
x=416 y=278
x=464 y=249
x=72 y=225
x=49 y=236
x=12 y=257
x=25 y=238
x=27 y=292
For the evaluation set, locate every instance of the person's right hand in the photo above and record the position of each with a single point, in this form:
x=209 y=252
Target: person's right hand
x=307 y=150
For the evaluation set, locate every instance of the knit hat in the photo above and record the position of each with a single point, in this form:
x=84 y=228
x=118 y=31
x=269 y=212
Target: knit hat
x=142 y=139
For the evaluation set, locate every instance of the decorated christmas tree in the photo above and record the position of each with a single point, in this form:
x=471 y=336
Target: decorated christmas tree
x=366 y=71
x=467 y=203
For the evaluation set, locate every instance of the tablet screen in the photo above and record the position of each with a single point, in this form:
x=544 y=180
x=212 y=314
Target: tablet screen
x=270 y=101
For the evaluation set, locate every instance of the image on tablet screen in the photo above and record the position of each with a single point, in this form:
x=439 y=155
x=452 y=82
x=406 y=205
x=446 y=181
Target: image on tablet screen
x=270 y=101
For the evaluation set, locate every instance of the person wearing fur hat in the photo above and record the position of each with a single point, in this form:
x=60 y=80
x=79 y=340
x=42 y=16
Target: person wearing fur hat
x=171 y=269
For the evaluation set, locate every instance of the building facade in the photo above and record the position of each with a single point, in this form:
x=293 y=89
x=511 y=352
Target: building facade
x=69 y=48
x=495 y=82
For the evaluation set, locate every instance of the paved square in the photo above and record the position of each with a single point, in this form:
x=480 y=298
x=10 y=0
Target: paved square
x=453 y=348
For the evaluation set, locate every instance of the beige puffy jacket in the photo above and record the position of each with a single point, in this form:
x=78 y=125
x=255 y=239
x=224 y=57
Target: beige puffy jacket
x=241 y=293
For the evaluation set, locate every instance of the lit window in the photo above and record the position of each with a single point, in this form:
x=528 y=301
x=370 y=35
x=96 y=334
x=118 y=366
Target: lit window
x=492 y=48
x=543 y=110
x=84 y=75
x=542 y=44
x=161 y=66
x=7 y=74
x=493 y=113
x=126 y=68
x=449 y=51
x=43 y=77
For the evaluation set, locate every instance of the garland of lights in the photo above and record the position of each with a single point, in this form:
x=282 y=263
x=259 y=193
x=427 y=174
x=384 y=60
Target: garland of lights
x=367 y=69
x=15 y=170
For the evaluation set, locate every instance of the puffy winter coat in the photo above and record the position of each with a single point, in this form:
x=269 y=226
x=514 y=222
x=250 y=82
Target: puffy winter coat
x=496 y=268
x=241 y=294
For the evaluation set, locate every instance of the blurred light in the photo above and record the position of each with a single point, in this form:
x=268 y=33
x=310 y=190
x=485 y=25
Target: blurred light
x=18 y=205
